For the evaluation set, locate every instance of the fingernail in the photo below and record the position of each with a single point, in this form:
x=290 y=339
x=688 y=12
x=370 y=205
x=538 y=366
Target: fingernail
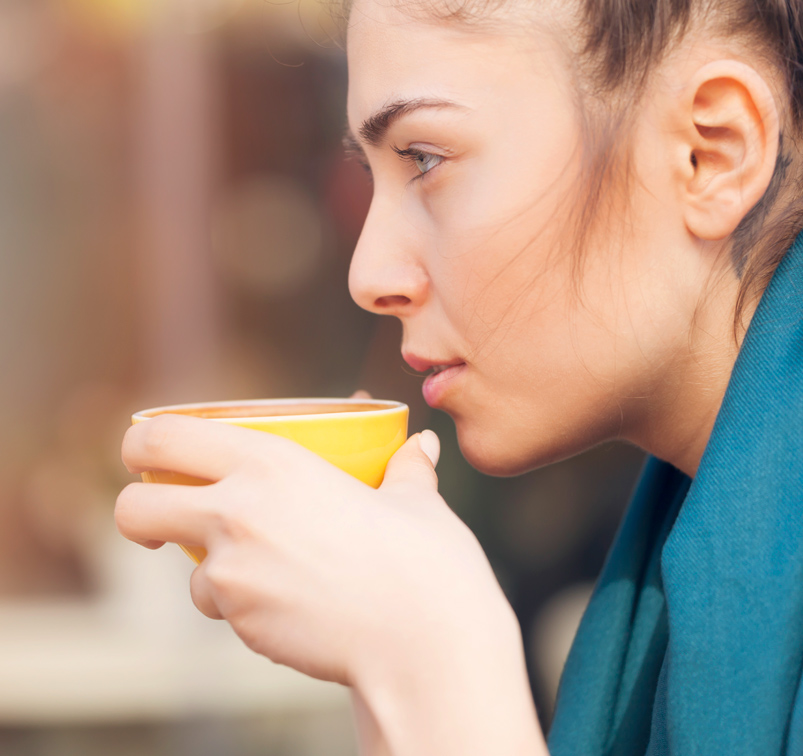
x=431 y=446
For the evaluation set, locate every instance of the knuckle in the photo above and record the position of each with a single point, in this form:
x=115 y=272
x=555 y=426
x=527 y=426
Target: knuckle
x=221 y=575
x=272 y=454
x=229 y=522
x=233 y=508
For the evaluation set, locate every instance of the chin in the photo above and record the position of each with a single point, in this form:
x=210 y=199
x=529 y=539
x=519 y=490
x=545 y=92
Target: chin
x=495 y=457
x=501 y=454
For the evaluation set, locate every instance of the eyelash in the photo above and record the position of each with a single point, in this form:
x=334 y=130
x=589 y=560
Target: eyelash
x=411 y=155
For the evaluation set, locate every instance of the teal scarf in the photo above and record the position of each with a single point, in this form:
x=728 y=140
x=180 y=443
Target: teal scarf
x=693 y=640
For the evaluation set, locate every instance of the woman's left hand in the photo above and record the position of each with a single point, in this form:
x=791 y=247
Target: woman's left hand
x=311 y=567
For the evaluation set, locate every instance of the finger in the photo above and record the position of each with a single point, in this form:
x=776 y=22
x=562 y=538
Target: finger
x=153 y=513
x=201 y=592
x=361 y=395
x=431 y=446
x=413 y=466
x=190 y=445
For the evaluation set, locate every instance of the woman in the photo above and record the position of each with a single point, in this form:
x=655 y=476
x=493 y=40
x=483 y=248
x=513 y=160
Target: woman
x=577 y=208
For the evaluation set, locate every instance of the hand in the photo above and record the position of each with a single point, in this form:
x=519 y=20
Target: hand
x=311 y=567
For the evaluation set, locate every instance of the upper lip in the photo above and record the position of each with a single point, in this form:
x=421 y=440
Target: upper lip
x=422 y=364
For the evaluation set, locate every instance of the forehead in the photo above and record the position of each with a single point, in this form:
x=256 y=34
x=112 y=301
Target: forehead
x=393 y=55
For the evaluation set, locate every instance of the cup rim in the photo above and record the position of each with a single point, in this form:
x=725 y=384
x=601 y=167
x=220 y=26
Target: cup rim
x=384 y=407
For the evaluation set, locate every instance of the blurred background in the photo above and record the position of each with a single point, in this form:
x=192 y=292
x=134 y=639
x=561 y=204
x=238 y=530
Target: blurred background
x=176 y=223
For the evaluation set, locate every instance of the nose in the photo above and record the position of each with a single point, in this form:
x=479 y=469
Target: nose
x=387 y=275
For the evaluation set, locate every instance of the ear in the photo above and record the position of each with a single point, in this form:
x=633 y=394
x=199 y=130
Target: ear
x=730 y=145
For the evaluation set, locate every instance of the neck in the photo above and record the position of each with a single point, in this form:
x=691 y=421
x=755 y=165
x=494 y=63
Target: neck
x=676 y=419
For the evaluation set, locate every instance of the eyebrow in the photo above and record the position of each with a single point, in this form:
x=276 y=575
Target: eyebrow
x=374 y=128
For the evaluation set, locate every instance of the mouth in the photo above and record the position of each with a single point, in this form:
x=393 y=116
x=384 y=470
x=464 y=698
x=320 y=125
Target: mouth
x=440 y=379
x=440 y=368
x=422 y=365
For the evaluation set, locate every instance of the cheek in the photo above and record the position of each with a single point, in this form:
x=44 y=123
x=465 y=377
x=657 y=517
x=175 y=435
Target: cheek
x=486 y=203
x=546 y=372
x=505 y=282
x=504 y=238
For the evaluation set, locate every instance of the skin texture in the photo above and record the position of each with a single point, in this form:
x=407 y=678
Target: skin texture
x=386 y=590
x=475 y=258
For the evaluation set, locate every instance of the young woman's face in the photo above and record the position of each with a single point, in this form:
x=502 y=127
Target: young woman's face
x=473 y=142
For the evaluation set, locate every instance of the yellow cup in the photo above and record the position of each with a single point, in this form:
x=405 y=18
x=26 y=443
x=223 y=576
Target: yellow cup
x=357 y=435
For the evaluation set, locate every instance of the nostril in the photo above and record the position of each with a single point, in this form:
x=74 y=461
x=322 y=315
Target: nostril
x=390 y=302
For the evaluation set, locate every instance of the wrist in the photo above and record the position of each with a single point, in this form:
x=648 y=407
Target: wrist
x=370 y=740
x=464 y=691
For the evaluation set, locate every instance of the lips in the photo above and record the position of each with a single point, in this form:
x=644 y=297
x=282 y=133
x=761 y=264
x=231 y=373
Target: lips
x=423 y=365
x=442 y=378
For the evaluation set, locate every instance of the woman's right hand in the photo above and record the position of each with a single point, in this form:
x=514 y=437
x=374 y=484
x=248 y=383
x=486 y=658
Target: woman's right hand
x=385 y=590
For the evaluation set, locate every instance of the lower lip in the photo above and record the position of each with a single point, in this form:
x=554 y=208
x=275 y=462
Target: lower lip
x=437 y=384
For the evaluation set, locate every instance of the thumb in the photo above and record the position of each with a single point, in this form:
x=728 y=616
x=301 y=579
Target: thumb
x=413 y=466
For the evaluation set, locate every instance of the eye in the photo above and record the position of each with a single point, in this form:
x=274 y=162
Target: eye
x=424 y=161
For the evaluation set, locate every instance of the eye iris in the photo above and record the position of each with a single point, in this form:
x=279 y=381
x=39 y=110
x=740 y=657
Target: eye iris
x=422 y=162
x=425 y=162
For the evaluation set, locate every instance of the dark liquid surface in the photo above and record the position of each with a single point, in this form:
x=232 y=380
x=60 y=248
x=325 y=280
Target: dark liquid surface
x=272 y=410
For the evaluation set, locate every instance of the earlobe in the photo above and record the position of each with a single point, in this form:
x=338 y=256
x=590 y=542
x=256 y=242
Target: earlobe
x=732 y=146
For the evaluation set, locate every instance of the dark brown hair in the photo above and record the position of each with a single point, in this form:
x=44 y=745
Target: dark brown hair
x=619 y=44
x=625 y=39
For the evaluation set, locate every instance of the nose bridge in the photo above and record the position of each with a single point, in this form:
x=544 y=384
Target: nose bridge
x=387 y=274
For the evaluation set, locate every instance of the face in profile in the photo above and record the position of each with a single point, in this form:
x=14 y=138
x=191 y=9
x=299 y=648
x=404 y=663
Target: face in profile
x=473 y=140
